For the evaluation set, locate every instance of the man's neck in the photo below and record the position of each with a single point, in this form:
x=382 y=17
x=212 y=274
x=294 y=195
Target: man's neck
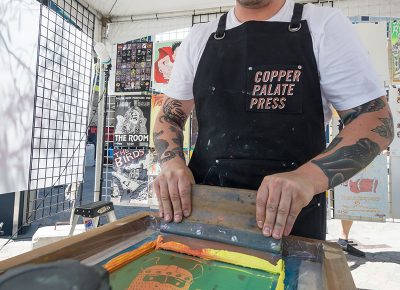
x=244 y=14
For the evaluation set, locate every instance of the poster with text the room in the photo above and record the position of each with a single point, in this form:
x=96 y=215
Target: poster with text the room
x=132 y=125
x=133 y=67
x=129 y=177
x=364 y=197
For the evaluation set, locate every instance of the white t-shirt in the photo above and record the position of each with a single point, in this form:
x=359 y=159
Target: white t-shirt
x=347 y=76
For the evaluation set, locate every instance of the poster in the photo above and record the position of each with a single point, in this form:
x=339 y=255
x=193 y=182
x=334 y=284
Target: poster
x=129 y=177
x=395 y=186
x=153 y=172
x=394 y=103
x=156 y=103
x=164 y=58
x=395 y=44
x=132 y=125
x=133 y=67
x=365 y=196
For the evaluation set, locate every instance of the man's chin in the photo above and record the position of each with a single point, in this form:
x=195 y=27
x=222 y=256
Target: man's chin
x=254 y=4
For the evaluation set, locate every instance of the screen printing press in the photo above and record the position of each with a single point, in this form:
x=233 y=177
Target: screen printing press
x=218 y=247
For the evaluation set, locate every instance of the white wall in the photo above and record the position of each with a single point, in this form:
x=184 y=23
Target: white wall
x=19 y=27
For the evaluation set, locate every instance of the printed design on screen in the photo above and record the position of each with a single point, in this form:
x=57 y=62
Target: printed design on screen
x=130 y=177
x=164 y=58
x=395 y=41
x=133 y=66
x=132 y=121
x=166 y=277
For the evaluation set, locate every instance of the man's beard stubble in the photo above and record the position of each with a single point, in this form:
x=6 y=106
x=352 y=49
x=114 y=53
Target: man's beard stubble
x=254 y=4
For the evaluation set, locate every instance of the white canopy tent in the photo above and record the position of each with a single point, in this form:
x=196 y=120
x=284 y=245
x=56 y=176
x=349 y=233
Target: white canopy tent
x=130 y=19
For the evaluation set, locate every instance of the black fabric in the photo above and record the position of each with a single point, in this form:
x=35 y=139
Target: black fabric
x=221 y=26
x=61 y=275
x=297 y=14
x=259 y=109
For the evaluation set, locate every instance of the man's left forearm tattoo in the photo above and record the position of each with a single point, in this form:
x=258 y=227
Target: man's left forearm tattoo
x=347 y=161
x=372 y=106
x=386 y=130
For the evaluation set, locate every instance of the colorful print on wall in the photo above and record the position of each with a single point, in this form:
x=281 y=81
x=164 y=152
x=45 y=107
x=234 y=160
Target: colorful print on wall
x=132 y=115
x=156 y=103
x=365 y=196
x=395 y=42
x=394 y=102
x=130 y=177
x=133 y=67
x=164 y=58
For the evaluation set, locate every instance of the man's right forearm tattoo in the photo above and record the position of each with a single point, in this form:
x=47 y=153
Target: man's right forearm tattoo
x=176 y=117
x=347 y=161
x=173 y=113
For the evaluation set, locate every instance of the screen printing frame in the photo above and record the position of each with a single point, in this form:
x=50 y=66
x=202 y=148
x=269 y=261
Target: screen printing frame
x=336 y=273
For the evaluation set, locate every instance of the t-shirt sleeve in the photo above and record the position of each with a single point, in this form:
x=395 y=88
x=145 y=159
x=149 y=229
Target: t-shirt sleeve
x=347 y=76
x=180 y=85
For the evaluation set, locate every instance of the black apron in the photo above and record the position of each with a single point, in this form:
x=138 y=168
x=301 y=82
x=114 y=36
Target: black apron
x=259 y=109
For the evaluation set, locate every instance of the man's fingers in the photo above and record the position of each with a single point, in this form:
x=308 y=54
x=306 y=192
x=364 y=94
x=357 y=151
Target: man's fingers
x=156 y=189
x=165 y=201
x=274 y=189
x=185 y=191
x=282 y=214
x=261 y=202
x=294 y=211
x=175 y=200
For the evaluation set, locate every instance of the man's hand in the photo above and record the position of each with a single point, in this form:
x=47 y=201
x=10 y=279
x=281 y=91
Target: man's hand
x=280 y=199
x=173 y=190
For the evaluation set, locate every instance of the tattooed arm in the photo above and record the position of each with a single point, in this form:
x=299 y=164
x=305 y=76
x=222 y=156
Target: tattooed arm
x=368 y=130
x=173 y=185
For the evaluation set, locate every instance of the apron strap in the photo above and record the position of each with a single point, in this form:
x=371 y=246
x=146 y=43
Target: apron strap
x=295 y=24
x=220 y=34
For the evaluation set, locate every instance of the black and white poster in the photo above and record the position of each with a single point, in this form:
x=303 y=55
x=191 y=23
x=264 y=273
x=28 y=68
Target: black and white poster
x=130 y=177
x=133 y=67
x=132 y=125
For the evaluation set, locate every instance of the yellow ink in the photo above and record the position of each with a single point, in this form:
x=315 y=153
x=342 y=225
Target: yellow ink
x=229 y=257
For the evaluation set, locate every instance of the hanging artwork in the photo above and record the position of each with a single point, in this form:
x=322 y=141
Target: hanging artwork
x=164 y=58
x=132 y=115
x=395 y=43
x=365 y=195
x=130 y=177
x=394 y=102
x=133 y=67
x=153 y=172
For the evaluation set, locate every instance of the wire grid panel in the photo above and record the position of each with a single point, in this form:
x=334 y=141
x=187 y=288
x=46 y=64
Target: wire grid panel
x=206 y=17
x=61 y=107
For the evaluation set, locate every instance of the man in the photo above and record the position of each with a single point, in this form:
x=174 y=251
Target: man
x=262 y=79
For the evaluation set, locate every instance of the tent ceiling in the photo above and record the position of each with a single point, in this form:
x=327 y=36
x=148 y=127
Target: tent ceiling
x=117 y=8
